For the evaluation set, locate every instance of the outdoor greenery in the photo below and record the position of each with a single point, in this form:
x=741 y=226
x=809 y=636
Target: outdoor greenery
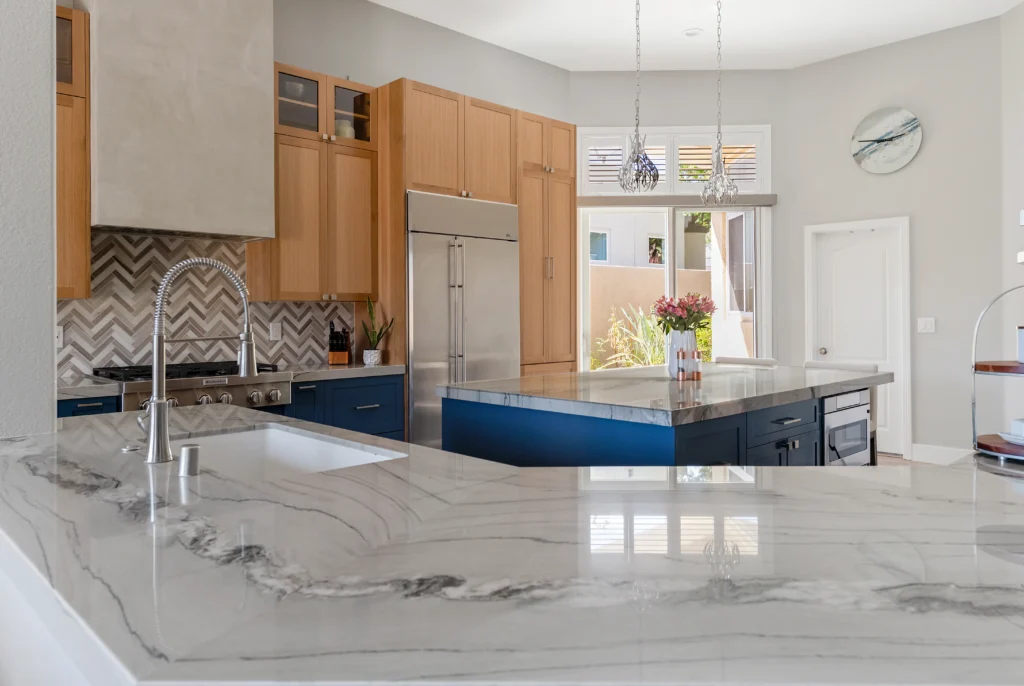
x=636 y=340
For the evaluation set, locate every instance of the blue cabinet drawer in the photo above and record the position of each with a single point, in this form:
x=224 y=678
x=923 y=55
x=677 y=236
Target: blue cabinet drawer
x=87 y=406
x=372 y=405
x=307 y=402
x=394 y=435
x=774 y=423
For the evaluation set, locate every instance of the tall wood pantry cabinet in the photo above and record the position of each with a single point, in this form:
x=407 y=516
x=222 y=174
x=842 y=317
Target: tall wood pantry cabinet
x=325 y=246
x=74 y=251
x=547 y=244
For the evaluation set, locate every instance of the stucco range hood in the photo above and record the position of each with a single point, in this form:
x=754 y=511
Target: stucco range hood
x=182 y=97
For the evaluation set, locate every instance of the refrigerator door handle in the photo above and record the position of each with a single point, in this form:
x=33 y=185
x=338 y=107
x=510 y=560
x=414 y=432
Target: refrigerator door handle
x=460 y=340
x=453 y=312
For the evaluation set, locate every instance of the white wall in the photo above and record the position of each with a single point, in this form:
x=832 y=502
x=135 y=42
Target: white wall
x=375 y=45
x=27 y=225
x=949 y=79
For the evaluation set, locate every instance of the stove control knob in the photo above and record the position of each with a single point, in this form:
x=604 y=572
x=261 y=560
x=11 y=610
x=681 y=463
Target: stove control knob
x=226 y=398
x=256 y=397
x=205 y=399
x=274 y=395
x=172 y=402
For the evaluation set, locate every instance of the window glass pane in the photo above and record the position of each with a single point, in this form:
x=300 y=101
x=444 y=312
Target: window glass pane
x=740 y=162
x=603 y=163
x=64 y=50
x=598 y=246
x=659 y=155
x=351 y=114
x=298 y=102
x=694 y=163
x=656 y=250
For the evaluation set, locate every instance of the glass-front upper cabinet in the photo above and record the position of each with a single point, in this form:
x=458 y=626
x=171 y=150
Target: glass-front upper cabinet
x=301 y=108
x=72 y=52
x=352 y=122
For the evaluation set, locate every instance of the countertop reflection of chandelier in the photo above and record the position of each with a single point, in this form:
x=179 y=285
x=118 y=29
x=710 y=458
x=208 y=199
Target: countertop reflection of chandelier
x=638 y=172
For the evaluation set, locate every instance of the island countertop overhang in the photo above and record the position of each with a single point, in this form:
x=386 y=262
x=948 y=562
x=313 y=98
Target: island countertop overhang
x=646 y=395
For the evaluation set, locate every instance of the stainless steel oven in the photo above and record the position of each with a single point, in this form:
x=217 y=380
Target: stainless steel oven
x=848 y=429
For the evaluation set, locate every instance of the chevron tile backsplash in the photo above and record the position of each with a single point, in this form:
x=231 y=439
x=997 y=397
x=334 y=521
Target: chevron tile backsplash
x=114 y=326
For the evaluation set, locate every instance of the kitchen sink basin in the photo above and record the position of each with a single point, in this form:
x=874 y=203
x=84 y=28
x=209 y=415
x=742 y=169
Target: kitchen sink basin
x=274 y=452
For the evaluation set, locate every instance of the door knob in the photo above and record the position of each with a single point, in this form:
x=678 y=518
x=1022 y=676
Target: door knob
x=823 y=351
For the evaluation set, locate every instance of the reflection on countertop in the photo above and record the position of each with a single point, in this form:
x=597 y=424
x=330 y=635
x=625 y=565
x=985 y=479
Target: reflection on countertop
x=439 y=568
x=77 y=386
x=326 y=372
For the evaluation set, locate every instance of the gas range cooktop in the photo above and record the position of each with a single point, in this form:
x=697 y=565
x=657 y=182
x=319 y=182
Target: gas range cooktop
x=188 y=370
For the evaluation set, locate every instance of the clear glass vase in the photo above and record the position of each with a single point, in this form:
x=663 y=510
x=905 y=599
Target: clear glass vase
x=676 y=341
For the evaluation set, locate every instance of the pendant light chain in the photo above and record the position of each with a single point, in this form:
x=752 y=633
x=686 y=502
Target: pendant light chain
x=719 y=187
x=638 y=172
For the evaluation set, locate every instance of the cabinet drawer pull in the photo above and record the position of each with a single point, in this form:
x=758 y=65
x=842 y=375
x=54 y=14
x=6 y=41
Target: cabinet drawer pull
x=368 y=407
x=81 y=405
x=305 y=388
x=786 y=421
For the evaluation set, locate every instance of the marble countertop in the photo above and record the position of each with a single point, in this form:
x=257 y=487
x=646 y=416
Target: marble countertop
x=444 y=569
x=75 y=387
x=326 y=372
x=646 y=395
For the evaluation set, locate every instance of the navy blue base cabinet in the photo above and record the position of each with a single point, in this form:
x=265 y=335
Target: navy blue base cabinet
x=86 y=406
x=372 y=405
x=787 y=435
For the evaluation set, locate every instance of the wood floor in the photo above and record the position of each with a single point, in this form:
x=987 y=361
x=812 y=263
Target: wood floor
x=887 y=459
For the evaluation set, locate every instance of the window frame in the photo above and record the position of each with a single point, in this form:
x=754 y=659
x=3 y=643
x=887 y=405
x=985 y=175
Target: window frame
x=605 y=234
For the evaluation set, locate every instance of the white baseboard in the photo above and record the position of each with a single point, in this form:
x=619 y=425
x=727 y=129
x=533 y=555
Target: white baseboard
x=938 y=454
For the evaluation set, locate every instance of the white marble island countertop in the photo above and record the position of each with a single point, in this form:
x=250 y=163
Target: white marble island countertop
x=443 y=569
x=648 y=396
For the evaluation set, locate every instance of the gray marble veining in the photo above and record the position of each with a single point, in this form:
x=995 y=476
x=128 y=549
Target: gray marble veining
x=646 y=394
x=77 y=386
x=443 y=569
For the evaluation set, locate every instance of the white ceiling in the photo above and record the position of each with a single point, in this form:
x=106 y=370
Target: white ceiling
x=598 y=35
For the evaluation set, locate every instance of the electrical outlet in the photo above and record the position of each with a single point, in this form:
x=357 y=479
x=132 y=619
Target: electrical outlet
x=275 y=331
x=60 y=337
x=926 y=325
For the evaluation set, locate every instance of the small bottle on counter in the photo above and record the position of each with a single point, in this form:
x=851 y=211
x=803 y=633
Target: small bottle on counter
x=698 y=366
x=680 y=365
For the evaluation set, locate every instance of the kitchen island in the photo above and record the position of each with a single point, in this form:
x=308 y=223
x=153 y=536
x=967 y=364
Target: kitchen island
x=638 y=417
x=442 y=569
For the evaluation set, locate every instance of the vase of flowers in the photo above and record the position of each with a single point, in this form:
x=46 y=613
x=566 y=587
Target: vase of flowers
x=680 y=318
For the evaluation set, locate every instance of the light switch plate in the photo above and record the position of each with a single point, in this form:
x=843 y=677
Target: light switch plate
x=926 y=325
x=275 y=331
x=60 y=337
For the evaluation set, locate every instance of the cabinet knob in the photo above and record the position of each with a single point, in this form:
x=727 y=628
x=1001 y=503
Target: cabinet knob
x=334 y=296
x=324 y=136
x=333 y=137
x=469 y=194
x=325 y=297
x=823 y=351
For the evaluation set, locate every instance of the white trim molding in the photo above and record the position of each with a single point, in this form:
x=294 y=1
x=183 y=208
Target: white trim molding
x=902 y=226
x=938 y=454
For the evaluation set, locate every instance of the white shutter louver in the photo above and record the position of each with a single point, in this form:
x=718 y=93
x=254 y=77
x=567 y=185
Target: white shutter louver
x=695 y=162
x=603 y=163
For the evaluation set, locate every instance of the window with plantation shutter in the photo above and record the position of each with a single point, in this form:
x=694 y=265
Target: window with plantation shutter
x=694 y=163
x=740 y=162
x=659 y=155
x=603 y=163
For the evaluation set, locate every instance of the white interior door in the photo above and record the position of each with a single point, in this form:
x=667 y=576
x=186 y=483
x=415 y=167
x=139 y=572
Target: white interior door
x=856 y=310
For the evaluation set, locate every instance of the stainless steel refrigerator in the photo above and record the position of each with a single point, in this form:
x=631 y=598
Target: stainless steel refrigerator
x=463 y=300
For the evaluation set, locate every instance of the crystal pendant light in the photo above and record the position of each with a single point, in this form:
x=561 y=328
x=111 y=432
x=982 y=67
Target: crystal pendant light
x=719 y=189
x=638 y=172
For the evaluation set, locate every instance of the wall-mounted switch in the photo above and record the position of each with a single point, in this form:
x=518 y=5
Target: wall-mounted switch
x=926 y=325
x=275 y=331
x=60 y=337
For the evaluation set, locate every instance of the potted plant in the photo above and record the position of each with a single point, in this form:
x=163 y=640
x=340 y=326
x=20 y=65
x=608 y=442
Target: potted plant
x=374 y=336
x=680 y=318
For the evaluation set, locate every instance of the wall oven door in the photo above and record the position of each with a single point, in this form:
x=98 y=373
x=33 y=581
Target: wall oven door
x=848 y=437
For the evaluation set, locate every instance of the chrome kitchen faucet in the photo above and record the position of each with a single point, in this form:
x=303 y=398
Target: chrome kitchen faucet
x=159 y=449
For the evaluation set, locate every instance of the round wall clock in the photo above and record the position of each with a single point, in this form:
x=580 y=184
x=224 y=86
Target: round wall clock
x=886 y=140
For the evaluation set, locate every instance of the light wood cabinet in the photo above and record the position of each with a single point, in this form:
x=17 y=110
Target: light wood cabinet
x=74 y=252
x=546 y=144
x=300 y=102
x=456 y=145
x=74 y=213
x=351 y=120
x=547 y=242
x=325 y=242
x=541 y=369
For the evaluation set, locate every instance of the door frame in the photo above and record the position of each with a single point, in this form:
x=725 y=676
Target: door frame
x=902 y=226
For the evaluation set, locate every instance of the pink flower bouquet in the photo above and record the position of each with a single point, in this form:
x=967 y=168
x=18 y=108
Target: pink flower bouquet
x=688 y=313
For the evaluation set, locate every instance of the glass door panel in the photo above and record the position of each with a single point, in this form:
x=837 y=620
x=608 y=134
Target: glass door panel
x=65 y=51
x=298 y=102
x=351 y=114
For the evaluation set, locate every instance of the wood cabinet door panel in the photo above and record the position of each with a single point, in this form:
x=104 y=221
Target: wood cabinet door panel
x=433 y=139
x=74 y=252
x=541 y=369
x=350 y=241
x=490 y=151
x=531 y=131
x=301 y=192
x=351 y=114
x=560 y=299
x=72 y=48
x=532 y=263
x=562 y=148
